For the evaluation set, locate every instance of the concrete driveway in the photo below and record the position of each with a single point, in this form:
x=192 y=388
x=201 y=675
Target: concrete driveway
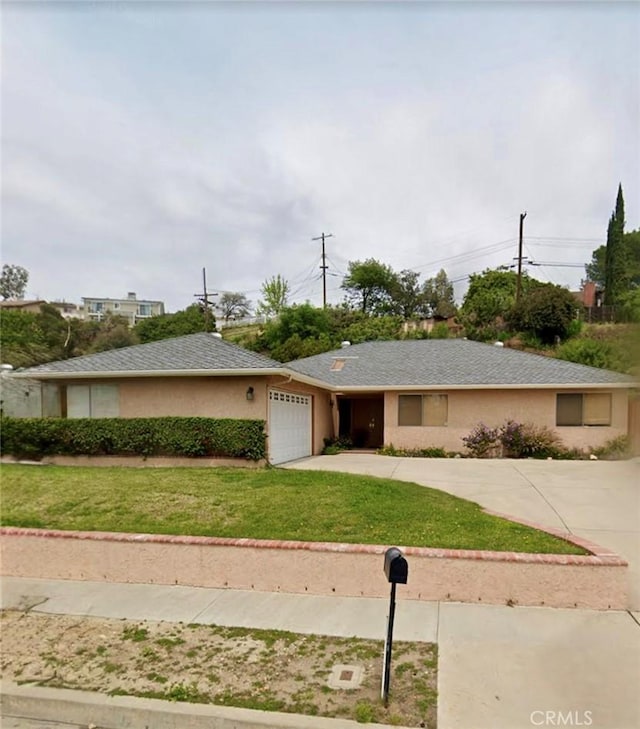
x=505 y=668
x=598 y=500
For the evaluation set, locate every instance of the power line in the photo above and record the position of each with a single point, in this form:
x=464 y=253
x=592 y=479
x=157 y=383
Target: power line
x=575 y=240
x=469 y=255
x=556 y=264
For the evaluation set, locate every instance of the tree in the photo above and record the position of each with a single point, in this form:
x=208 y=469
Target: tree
x=233 y=305
x=488 y=301
x=408 y=297
x=546 y=311
x=275 y=292
x=22 y=339
x=13 y=282
x=595 y=269
x=299 y=331
x=371 y=328
x=615 y=258
x=369 y=286
x=114 y=333
x=189 y=321
x=438 y=295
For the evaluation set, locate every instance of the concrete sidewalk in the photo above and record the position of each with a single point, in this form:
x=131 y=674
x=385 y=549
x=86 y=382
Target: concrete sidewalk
x=498 y=666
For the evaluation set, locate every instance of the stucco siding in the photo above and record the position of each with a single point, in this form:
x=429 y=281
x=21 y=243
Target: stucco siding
x=467 y=408
x=211 y=397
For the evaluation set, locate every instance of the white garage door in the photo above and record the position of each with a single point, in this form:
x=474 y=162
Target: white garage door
x=289 y=426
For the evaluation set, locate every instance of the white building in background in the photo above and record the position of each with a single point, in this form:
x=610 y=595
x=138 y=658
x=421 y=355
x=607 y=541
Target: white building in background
x=131 y=308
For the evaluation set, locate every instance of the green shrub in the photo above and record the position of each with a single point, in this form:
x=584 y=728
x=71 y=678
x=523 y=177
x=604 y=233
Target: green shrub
x=587 y=352
x=615 y=449
x=440 y=331
x=173 y=436
x=333 y=446
x=433 y=452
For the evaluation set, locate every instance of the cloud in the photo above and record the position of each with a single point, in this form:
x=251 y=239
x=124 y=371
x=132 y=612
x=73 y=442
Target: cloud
x=129 y=164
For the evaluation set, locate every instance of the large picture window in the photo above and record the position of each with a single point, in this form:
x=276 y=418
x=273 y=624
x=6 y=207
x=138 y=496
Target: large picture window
x=591 y=408
x=423 y=410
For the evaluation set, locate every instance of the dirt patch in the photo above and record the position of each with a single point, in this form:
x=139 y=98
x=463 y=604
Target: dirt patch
x=258 y=669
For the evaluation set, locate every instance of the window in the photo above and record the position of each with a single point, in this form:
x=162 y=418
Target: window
x=93 y=401
x=593 y=408
x=424 y=410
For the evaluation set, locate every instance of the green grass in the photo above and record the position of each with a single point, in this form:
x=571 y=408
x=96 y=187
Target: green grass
x=263 y=504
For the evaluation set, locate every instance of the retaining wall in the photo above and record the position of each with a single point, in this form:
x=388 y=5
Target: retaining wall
x=596 y=581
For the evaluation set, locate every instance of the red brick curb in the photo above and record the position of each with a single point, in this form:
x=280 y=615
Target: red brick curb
x=599 y=556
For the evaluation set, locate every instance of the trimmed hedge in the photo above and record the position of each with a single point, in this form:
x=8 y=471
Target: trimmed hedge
x=225 y=437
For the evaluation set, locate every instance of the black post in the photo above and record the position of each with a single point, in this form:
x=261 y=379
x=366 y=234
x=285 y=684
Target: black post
x=324 y=268
x=519 y=279
x=388 y=646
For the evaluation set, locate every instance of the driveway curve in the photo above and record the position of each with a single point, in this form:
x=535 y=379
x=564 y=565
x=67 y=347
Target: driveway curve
x=598 y=500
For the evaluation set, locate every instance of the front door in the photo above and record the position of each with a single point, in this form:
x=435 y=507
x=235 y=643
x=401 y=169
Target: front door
x=365 y=418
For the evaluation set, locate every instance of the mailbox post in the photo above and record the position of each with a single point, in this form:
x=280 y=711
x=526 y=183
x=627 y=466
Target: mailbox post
x=396 y=570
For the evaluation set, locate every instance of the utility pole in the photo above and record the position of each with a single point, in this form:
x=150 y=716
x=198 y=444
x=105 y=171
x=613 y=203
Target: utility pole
x=204 y=298
x=324 y=268
x=519 y=281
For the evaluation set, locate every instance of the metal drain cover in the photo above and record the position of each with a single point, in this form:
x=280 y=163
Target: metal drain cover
x=346 y=676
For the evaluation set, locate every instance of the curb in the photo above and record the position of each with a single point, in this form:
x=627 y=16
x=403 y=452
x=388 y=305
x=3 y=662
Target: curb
x=28 y=701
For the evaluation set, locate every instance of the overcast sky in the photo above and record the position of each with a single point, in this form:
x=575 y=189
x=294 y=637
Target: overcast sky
x=143 y=141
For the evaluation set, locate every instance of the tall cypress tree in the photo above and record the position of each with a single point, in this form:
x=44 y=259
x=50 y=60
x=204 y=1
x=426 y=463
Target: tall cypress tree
x=615 y=258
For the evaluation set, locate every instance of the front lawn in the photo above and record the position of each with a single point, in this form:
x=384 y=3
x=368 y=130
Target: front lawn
x=310 y=506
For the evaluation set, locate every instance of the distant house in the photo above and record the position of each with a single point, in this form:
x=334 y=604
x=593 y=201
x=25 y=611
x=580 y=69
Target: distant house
x=131 y=308
x=591 y=299
x=67 y=309
x=413 y=394
x=427 y=325
x=30 y=305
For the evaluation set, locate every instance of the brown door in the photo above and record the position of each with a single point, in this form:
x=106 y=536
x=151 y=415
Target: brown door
x=367 y=422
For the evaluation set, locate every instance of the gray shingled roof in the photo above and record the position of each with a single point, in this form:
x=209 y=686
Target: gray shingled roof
x=443 y=363
x=191 y=352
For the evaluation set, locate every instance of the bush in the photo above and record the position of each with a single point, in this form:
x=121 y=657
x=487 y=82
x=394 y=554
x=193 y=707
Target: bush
x=37 y=437
x=433 y=452
x=333 y=446
x=587 y=352
x=440 y=331
x=615 y=449
x=482 y=442
x=514 y=440
x=546 y=311
x=528 y=441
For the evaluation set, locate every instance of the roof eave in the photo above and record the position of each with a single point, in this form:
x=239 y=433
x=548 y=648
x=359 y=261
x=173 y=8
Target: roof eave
x=508 y=386
x=119 y=374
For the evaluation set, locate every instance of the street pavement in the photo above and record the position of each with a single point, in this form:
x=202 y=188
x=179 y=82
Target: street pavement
x=499 y=667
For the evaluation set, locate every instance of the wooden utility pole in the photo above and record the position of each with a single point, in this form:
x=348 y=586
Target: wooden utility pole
x=204 y=298
x=324 y=268
x=519 y=281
